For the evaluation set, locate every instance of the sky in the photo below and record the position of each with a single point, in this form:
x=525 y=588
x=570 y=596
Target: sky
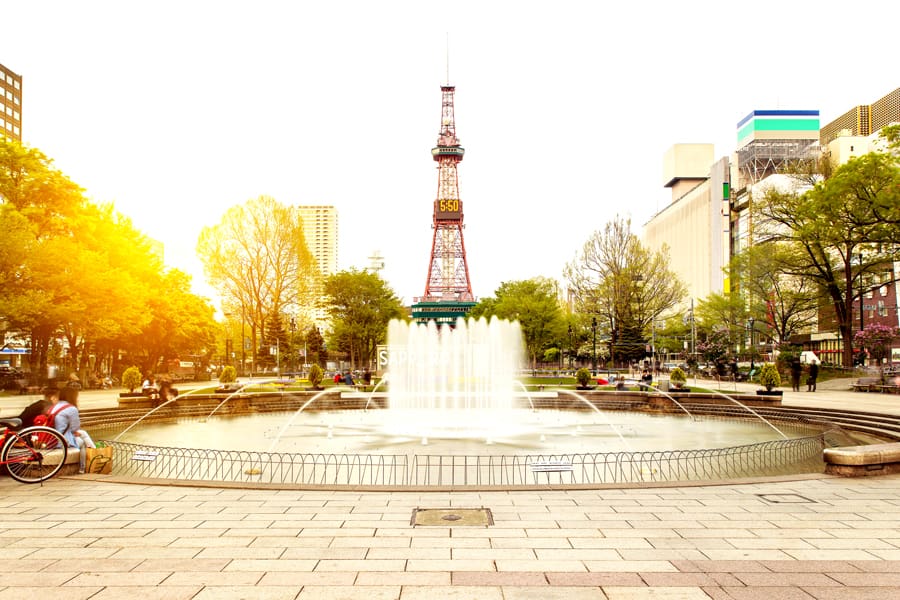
x=177 y=111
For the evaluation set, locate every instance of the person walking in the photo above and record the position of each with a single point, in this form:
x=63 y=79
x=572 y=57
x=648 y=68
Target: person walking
x=796 y=371
x=813 y=375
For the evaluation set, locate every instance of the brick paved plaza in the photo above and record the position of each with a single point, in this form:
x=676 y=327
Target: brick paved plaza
x=810 y=537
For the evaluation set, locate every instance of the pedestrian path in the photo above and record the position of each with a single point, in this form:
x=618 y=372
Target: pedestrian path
x=810 y=537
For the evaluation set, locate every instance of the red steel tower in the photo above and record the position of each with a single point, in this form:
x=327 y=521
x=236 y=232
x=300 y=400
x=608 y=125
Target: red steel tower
x=448 y=292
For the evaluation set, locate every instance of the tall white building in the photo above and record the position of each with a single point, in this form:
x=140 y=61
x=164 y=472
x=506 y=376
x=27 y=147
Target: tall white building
x=320 y=228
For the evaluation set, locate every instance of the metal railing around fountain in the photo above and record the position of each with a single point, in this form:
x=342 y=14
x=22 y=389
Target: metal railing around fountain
x=797 y=455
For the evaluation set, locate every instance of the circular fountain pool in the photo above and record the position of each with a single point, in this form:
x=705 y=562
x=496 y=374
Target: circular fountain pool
x=482 y=432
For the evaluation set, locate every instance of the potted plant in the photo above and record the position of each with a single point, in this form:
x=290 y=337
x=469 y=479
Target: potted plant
x=227 y=380
x=583 y=377
x=131 y=379
x=678 y=379
x=769 y=377
x=315 y=376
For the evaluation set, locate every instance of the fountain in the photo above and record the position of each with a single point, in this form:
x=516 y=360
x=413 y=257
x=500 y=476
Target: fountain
x=452 y=390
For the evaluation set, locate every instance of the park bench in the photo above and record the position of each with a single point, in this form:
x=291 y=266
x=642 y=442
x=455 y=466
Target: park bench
x=866 y=384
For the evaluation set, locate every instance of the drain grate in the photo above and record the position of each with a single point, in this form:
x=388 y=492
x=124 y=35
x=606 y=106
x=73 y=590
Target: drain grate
x=786 y=499
x=454 y=517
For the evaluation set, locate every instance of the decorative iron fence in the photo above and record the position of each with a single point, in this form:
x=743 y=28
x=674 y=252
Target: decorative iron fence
x=797 y=455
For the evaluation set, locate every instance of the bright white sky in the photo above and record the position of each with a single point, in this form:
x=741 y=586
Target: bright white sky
x=176 y=111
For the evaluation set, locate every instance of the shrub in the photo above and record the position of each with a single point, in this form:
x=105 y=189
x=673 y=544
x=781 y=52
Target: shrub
x=583 y=377
x=229 y=375
x=769 y=377
x=677 y=377
x=315 y=375
x=131 y=379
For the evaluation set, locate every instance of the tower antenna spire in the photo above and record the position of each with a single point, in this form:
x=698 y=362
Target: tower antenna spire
x=448 y=58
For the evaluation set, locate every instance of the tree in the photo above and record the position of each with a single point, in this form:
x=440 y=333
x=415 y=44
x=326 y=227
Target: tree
x=315 y=346
x=787 y=304
x=181 y=323
x=534 y=303
x=876 y=339
x=257 y=258
x=725 y=314
x=361 y=305
x=615 y=276
x=837 y=231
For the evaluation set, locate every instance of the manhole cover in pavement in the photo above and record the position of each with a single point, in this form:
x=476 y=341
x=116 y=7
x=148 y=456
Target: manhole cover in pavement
x=786 y=499
x=472 y=517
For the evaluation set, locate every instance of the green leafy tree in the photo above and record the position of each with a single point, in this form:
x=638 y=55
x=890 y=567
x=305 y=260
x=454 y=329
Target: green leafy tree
x=181 y=323
x=787 y=304
x=722 y=316
x=535 y=304
x=315 y=346
x=837 y=232
x=361 y=305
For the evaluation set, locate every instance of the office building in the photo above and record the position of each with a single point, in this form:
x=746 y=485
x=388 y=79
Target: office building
x=10 y=104
x=320 y=228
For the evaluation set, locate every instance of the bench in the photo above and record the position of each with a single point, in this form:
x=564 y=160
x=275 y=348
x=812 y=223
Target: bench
x=866 y=384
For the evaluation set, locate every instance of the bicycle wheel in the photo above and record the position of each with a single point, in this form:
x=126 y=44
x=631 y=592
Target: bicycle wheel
x=34 y=454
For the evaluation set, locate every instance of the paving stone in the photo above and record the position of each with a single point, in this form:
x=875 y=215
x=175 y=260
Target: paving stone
x=637 y=593
x=855 y=593
x=414 y=592
x=774 y=593
x=358 y=592
x=595 y=579
x=485 y=578
x=552 y=593
x=258 y=592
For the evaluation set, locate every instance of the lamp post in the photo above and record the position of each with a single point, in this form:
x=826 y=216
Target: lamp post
x=571 y=346
x=243 y=342
x=594 y=355
x=291 y=345
x=612 y=341
x=750 y=323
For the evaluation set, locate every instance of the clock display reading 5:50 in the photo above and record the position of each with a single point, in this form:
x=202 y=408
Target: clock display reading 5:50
x=448 y=209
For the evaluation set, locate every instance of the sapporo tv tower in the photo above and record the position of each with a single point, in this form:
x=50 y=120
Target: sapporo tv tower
x=448 y=292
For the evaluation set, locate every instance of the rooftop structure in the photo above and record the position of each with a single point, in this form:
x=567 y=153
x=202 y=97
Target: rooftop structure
x=769 y=139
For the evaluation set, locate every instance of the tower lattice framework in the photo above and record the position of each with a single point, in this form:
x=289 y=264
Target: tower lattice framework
x=448 y=271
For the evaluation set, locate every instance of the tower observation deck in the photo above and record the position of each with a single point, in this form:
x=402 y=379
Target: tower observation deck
x=448 y=292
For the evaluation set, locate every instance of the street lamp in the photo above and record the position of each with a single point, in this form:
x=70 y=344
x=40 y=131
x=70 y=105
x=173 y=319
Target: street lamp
x=291 y=345
x=571 y=345
x=750 y=323
x=594 y=356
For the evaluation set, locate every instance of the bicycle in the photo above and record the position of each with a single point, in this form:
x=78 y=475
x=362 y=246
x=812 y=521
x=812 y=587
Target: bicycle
x=32 y=455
